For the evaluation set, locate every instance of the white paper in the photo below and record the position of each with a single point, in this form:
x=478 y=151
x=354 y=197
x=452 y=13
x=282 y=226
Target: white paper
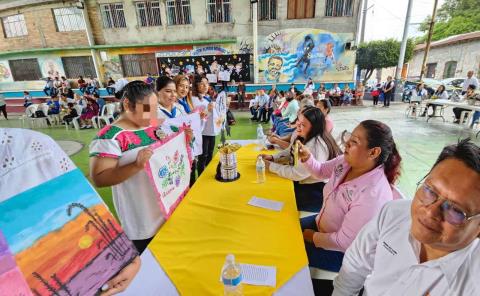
x=266 y=203
x=258 y=275
x=193 y=120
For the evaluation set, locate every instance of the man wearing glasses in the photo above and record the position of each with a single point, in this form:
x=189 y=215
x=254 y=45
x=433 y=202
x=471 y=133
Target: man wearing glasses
x=428 y=246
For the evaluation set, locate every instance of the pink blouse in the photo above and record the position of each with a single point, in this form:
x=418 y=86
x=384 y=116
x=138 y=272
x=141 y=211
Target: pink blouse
x=350 y=205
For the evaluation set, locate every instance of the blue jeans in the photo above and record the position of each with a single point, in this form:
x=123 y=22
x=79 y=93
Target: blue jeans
x=318 y=257
x=476 y=117
x=309 y=197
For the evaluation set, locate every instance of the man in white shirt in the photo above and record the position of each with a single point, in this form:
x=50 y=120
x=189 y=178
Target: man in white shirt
x=262 y=105
x=428 y=246
x=469 y=81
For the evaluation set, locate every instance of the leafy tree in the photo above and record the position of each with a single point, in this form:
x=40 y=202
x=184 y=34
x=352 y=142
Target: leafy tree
x=380 y=54
x=453 y=17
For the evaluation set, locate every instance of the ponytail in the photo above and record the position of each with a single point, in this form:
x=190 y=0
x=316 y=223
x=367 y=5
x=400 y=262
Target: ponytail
x=392 y=165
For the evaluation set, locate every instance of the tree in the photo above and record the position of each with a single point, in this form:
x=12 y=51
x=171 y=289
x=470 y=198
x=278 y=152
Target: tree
x=453 y=17
x=380 y=54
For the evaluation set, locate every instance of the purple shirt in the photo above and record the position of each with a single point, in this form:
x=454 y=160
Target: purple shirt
x=349 y=205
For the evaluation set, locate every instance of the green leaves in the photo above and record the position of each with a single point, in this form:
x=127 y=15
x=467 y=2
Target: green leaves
x=381 y=54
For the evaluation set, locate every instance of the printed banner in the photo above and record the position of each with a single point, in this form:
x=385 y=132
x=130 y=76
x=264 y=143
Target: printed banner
x=238 y=65
x=60 y=239
x=294 y=55
x=169 y=171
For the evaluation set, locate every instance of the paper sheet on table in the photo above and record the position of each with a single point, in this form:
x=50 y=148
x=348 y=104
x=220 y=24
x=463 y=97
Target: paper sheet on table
x=266 y=203
x=258 y=275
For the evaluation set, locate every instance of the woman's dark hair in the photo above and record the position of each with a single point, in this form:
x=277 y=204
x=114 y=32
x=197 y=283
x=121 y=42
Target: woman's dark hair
x=282 y=93
x=472 y=86
x=443 y=88
x=465 y=151
x=380 y=135
x=197 y=79
x=326 y=105
x=163 y=81
x=135 y=91
x=319 y=128
x=70 y=105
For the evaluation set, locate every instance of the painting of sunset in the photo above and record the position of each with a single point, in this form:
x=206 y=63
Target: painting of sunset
x=62 y=238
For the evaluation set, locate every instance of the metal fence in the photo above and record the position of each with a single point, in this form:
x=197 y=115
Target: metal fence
x=218 y=11
x=25 y=69
x=78 y=66
x=138 y=64
x=178 y=12
x=148 y=13
x=113 y=15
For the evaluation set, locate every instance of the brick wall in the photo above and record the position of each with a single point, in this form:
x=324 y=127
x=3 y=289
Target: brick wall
x=41 y=28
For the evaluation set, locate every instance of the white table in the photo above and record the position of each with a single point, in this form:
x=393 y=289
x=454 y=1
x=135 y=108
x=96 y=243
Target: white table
x=449 y=103
x=151 y=280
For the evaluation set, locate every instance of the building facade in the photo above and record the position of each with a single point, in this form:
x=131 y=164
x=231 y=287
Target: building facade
x=297 y=39
x=448 y=58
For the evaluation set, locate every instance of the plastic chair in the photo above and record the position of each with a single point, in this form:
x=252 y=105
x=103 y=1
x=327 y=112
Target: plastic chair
x=106 y=115
x=75 y=121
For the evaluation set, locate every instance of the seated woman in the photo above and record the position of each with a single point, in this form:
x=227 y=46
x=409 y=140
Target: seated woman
x=347 y=96
x=312 y=133
x=419 y=93
x=360 y=183
x=469 y=95
x=89 y=112
x=440 y=94
x=72 y=113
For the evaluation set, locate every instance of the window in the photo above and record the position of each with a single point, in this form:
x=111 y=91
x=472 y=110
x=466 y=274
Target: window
x=450 y=68
x=78 y=66
x=339 y=7
x=431 y=70
x=300 y=9
x=267 y=10
x=68 y=19
x=14 y=26
x=148 y=13
x=138 y=64
x=113 y=15
x=218 y=11
x=178 y=12
x=25 y=69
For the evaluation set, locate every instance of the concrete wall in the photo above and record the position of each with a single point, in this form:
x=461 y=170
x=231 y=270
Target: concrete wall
x=466 y=54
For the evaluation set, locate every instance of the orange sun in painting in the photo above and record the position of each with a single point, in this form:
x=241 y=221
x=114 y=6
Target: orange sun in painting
x=85 y=242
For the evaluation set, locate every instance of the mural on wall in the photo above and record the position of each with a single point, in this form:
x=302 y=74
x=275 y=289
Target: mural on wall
x=5 y=73
x=113 y=68
x=294 y=55
x=51 y=67
x=238 y=65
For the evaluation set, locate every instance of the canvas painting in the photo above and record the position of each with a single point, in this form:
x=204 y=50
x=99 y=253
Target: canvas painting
x=169 y=170
x=60 y=239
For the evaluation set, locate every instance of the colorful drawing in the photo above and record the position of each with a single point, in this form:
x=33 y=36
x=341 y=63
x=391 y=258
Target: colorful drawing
x=51 y=67
x=113 y=68
x=169 y=170
x=63 y=239
x=294 y=55
x=5 y=73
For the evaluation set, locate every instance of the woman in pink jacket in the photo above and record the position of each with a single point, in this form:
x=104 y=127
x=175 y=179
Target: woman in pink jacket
x=360 y=183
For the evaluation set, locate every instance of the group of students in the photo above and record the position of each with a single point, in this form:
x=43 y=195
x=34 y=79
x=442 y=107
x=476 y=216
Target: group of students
x=120 y=151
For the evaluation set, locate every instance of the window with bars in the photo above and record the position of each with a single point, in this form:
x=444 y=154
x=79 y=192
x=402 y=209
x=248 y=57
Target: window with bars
x=178 y=12
x=25 y=69
x=267 y=10
x=138 y=64
x=68 y=19
x=148 y=13
x=14 y=26
x=113 y=15
x=78 y=66
x=339 y=7
x=218 y=11
x=450 y=69
x=301 y=9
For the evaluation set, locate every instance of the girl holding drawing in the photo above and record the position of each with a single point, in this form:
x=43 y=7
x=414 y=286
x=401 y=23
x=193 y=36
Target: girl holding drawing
x=118 y=155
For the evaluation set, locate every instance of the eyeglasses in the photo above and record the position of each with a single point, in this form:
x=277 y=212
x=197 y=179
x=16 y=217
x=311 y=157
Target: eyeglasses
x=451 y=213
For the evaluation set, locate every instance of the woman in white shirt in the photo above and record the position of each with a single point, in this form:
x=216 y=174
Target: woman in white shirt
x=440 y=94
x=419 y=93
x=167 y=99
x=309 y=87
x=311 y=131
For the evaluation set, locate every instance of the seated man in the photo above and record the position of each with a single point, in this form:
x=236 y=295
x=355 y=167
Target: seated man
x=428 y=246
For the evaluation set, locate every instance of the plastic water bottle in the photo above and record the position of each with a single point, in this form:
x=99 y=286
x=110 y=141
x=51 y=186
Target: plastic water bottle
x=232 y=277
x=260 y=137
x=260 y=168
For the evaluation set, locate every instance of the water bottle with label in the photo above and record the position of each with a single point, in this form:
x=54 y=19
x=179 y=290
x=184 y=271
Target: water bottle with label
x=260 y=137
x=232 y=277
x=260 y=168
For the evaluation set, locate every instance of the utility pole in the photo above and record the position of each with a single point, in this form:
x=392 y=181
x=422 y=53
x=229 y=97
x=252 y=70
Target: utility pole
x=364 y=21
x=255 y=41
x=403 y=47
x=429 y=39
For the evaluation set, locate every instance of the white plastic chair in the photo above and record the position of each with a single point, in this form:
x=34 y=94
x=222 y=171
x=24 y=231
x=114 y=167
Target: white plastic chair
x=75 y=121
x=415 y=109
x=106 y=115
x=43 y=121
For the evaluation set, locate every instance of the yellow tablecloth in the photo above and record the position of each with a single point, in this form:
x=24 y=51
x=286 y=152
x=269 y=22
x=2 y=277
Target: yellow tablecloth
x=214 y=220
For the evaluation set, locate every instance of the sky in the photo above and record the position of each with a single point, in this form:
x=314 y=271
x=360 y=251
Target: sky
x=387 y=17
x=34 y=213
